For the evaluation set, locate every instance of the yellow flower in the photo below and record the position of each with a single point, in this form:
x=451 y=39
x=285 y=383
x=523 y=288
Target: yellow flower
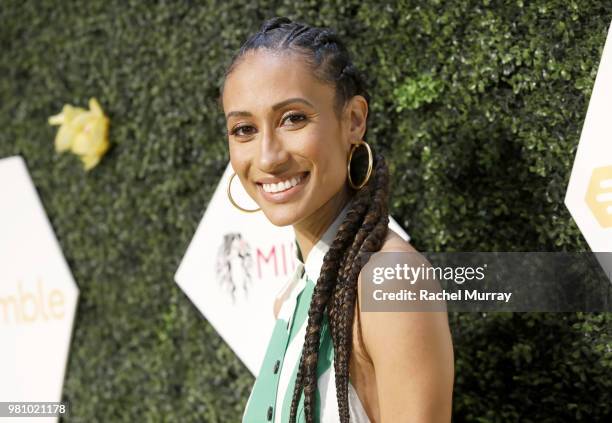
x=84 y=132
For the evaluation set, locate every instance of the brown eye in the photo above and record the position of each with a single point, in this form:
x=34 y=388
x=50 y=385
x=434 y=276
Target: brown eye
x=295 y=117
x=236 y=130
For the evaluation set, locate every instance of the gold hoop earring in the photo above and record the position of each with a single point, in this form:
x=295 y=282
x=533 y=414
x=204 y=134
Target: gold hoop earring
x=229 y=194
x=370 y=164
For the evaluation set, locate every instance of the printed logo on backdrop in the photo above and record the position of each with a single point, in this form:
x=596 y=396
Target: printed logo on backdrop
x=234 y=265
x=234 y=268
x=38 y=295
x=599 y=195
x=238 y=263
x=589 y=192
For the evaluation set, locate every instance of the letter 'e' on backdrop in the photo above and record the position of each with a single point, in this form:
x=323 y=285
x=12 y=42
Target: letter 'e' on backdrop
x=234 y=268
x=589 y=192
x=38 y=295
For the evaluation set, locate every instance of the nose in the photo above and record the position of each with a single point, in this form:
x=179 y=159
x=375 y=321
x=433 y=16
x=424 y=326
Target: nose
x=272 y=152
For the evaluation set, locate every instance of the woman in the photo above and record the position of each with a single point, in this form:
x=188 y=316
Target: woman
x=296 y=111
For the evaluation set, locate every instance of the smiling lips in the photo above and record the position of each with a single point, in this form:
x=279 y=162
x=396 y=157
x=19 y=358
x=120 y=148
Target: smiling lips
x=283 y=185
x=282 y=191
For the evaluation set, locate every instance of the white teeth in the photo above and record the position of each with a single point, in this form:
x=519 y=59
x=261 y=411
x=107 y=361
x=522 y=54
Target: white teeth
x=282 y=186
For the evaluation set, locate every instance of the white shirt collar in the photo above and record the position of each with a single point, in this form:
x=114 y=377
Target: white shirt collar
x=314 y=261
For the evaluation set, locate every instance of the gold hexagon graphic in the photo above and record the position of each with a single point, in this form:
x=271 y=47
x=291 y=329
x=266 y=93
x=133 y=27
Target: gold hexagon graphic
x=599 y=195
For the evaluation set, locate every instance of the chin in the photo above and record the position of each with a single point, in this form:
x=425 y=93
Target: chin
x=280 y=215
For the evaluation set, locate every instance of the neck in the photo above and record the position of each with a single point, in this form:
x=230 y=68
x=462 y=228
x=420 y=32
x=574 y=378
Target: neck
x=309 y=230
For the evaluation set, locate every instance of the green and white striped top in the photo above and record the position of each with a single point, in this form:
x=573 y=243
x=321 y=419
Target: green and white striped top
x=270 y=398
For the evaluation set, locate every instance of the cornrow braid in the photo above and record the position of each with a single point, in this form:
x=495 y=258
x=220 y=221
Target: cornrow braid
x=296 y=32
x=364 y=228
x=321 y=48
x=342 y=240
x=368 y=239
x=332 y=262
x=275 y=22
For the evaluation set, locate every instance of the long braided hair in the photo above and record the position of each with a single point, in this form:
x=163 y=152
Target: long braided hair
x=364 y=228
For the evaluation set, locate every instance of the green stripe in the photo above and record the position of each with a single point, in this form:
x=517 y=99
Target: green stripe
x=301 y=309
x=266 y=384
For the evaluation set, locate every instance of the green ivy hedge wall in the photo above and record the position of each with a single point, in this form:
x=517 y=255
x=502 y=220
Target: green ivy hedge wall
x=477 y=105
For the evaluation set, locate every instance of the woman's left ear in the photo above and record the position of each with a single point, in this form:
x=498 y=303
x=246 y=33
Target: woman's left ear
x=357 y=110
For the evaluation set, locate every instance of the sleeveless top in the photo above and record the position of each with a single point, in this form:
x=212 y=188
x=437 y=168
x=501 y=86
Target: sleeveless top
x=272 y=393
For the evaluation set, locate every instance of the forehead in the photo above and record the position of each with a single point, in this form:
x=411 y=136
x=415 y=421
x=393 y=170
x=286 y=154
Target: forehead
x=263 y=78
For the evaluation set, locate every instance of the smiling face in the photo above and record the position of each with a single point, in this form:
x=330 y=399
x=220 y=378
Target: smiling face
x=286 y=143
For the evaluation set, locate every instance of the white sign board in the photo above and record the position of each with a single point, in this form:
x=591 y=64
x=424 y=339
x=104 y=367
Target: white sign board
x=589 y=193
x=38 y=295
x=234 y=267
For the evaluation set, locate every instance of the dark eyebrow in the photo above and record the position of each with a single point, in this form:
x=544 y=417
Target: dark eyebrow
x=242 y=113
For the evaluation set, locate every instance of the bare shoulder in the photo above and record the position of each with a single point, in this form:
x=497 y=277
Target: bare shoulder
x=377 y=324
x=412 y=356
x=394 y=242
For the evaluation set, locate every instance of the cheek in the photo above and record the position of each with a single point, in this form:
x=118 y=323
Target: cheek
x=322 y=146
x=329 y=163
x=239 y=158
